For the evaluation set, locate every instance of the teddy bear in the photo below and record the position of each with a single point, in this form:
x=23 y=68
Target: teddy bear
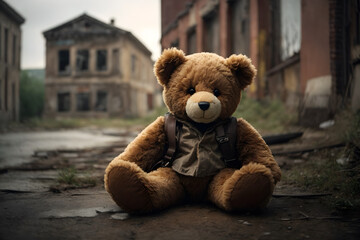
x=201 y=92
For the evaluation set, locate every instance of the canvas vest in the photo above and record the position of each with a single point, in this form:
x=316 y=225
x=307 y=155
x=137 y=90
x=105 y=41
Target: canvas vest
x=198 y=153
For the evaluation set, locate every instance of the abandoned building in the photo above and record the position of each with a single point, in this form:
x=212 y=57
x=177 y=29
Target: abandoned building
x=307 y=52
x=94 y=69
x=10 y=42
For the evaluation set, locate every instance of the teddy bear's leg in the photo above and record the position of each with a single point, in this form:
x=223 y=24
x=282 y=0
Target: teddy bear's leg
x=136 y=191
x=247 y=188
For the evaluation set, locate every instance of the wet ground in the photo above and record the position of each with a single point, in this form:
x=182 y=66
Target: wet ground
x=35 y=204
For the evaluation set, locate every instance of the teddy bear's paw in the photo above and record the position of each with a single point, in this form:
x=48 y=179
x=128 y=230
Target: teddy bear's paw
x=126 y=183
x=252 y=188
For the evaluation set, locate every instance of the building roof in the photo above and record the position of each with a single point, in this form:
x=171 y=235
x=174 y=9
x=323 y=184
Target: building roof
x=85 y=26
x=11 y=13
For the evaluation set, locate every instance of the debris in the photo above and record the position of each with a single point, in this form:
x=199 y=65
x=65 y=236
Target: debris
x=306 y=195
x=247 y=223
x=281 y=138
x=119 y=216
x=327 y=124
x=307 y=148
x=343 y=160
x=267 y=233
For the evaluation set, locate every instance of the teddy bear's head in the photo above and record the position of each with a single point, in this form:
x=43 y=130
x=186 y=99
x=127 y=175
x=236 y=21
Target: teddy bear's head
x=202 y=87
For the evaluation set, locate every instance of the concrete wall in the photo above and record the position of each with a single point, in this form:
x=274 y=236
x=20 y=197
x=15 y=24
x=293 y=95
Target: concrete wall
x=315 y=75
x=9 y=69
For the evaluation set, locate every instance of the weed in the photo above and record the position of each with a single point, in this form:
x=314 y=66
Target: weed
x=70 y=176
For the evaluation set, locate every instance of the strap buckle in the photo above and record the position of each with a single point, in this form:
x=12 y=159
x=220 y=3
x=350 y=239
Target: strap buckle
x=222 y=139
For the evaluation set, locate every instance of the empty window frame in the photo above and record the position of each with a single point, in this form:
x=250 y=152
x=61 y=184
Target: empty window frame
x=82 y=60
x=83 y=101
x=63 y=101
x=101 y=101
x=64 y=61
x=101 y=60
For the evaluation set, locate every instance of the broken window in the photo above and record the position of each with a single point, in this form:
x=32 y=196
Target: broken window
x=101 y=101
x=191 y=41
x=212 y=36
x=82 y=60
x=101 y=60
x=63 y=100
x=83 y=101
x=64 y=61
x=290 y=24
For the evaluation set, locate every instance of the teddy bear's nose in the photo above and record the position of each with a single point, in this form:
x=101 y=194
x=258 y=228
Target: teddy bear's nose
x=204 y=105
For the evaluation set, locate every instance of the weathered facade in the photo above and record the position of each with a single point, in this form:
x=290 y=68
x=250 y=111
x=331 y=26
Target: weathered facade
x=306 y=52
x=10 y=47
x=94 y=69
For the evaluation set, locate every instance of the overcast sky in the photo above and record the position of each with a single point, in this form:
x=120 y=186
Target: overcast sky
x=141 y=17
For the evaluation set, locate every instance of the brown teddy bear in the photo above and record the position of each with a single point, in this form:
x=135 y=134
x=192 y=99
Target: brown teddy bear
x=201 y=91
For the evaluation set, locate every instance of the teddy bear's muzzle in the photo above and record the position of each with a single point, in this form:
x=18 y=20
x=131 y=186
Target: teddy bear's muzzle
x=203 y=107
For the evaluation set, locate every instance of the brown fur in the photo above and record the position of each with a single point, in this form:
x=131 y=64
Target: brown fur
x=135 y=189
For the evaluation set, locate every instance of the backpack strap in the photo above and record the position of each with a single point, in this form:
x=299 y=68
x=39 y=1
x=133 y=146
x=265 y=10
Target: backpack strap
x=227 y=143
x=170 y=133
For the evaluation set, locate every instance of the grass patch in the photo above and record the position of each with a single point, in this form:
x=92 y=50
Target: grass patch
x=70 y=176
x=322 y=173
x=270 y=116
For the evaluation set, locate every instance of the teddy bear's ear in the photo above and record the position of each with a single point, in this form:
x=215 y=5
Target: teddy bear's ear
x=169 y=60
x=242 y=68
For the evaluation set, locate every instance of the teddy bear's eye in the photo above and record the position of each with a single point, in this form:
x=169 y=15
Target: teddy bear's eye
x=191 y=91
x=216 y=92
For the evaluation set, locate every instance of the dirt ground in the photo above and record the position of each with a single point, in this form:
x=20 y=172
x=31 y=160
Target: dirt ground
x=58 y=194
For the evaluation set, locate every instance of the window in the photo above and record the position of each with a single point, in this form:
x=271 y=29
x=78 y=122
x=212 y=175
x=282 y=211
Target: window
x=6 y=88
x=63 y=101
x=6 y=47
x=0 y=43
x=212 y=36
x=64 y=61
x=290 y=24
x=191 y=41
x=116 y=60
x=101 y=101
x=83 y=101
x=133 y=64
x=101 y=57
x=82 y=60
x=239 y=25
x=14 y=50
x=150 y=103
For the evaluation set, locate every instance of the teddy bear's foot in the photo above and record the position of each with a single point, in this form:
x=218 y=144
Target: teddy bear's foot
x=249 y=188
x=136 y=191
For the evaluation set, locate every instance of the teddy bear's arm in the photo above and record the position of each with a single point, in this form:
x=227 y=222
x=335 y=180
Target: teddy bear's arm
x=148 y=147
x=252 y=148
